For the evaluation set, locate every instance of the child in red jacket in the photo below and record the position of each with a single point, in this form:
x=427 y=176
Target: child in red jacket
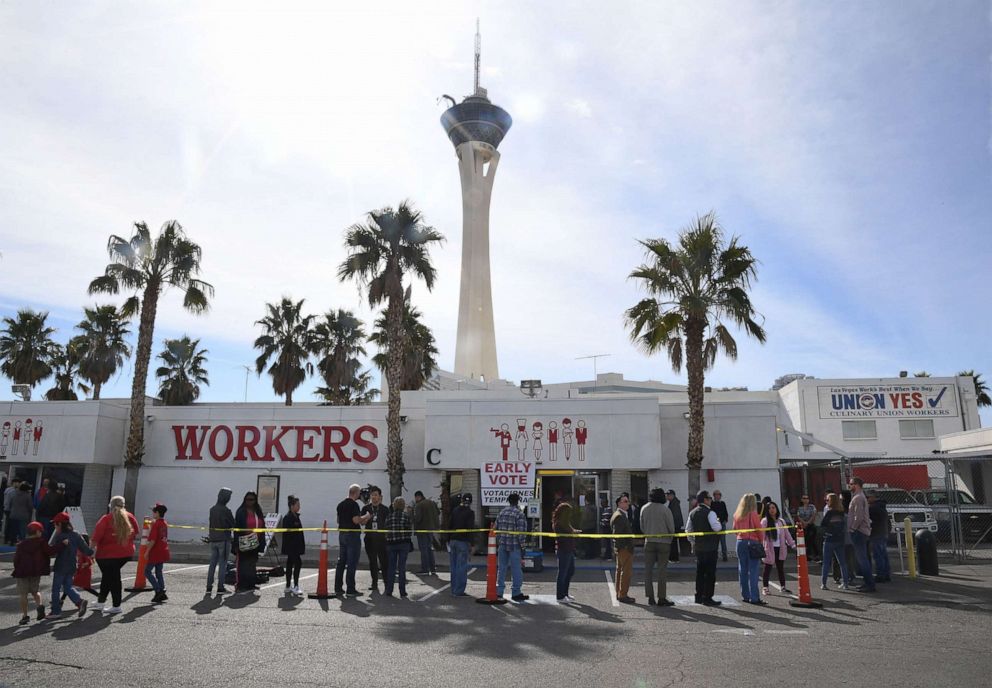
x=31 y=562
x=158 y=553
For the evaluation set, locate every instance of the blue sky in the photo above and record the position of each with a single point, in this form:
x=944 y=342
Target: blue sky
x=846 y=143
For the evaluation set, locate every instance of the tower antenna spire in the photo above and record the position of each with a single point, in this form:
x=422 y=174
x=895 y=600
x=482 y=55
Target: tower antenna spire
x=478 y=54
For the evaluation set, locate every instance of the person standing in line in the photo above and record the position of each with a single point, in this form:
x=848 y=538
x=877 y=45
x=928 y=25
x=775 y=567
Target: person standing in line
x=879 y=541
x=350 y=522
x=624 y=546
x=425 y=520
x=806 y=515
x=248 y=544
x=158 y=553
x=777 y=544
x=561 y=522
x=460 y=544
x=375 y=542
x=52 y=503
x=113 y=545
x=293 y=545
x=21 y=510
x=859 y=525
x=509 y=548
x=720 y=509
x=702 y=519
x=605 y=514
x=833 y=527
x=682 y=546
x=656 y=519
x=9 y=536
x=221 y=522
x=399 y=529
x=749 y=548
x=31 y=562
x=68 y=544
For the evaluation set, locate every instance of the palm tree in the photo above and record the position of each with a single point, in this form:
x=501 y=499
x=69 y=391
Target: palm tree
x=65 y=362
x=693 y=287
x=147 y=267
x=287 y=342
x=26 y=347
x=183 y=373
x=419 y=348
x=981 y=387
x=381 y=253
x=339 y=339
x=103 y=345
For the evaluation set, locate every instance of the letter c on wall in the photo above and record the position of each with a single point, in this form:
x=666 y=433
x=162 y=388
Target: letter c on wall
x=430 y=457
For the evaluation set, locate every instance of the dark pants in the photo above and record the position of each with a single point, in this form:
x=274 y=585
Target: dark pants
x=705 y=575
x=809 y=533
x=860 y=542
x=294 y=562
x=396 y=569
x=425 y=543
x=247 y=578
x=110 y=579
x=566 y=569
x=351 y=549
x=375 y=548
x=880 y=558
x=780 y=565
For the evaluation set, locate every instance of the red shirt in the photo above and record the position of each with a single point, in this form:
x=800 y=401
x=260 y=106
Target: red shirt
x=106 y=543
x=158 y=539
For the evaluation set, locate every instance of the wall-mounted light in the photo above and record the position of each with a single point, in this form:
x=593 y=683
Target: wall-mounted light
x=685 y=415
x=150 y=418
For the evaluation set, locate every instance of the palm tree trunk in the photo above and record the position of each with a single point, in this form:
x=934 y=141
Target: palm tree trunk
x=136 y=431
x=694 y=366
x=394 y=375
x=96 y=390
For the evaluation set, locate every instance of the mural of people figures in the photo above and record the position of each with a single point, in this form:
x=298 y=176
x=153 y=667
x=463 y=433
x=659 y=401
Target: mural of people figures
x=504 y=436
x=28 y=435
x=566 y=431
x=537 y=432
x=522 y=439
x=4 y=439
x=553 y=441
x=38 y=429
x=581 y=434
x=17 y=437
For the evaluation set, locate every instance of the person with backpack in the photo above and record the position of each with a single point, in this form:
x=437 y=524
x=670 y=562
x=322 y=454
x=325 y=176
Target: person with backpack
x=293 y=545
x=69 y=545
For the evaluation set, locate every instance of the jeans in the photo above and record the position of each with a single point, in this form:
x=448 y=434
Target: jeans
x=351 y=549
x=656 y=554
x=566 y=569
x=110 y=579
x=153 y=572
x=514 y=559
x=219 y=552
x=747 y=572
x=860 y=542
x=880 y=556
x=834 y=551
x=396 y=556
x=425 y=543
x=706 y=575
x=459 y=566
x=62 y=582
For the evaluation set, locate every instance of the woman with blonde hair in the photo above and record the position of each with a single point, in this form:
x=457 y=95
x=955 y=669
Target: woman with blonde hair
x=750 y=549
x=113 y=542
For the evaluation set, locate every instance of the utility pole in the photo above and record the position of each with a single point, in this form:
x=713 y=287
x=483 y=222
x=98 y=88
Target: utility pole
x=595 y=369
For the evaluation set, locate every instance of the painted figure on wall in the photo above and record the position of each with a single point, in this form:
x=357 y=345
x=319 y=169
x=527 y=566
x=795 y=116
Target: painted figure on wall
x=553 y=441
x=536 y=434
x=522 y=439
x=504 y=436
x=28 y=435
x=38 y=429
x=566 y=431
x=581 y=434
x=4 y=439
x=17 y=437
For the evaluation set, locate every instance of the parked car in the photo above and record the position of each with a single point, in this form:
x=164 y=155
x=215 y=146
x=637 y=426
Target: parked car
x=976 y=518
x=900 y=504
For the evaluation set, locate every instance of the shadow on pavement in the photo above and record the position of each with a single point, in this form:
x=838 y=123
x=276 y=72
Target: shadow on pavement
x=208 y=604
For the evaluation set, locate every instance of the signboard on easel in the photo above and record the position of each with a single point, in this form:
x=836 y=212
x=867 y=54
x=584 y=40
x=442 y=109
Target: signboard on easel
x=76 y=519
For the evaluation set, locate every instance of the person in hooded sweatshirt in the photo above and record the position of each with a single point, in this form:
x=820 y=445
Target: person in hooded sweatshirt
x=247 y=543
x=31 y=562
x=221 y=523
x=69 y=544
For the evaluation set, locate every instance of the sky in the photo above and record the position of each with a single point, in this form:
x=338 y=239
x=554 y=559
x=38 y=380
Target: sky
x=846 y=143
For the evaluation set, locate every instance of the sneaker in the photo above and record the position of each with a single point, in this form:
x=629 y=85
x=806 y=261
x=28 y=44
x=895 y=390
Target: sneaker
x=221 y=590
x=41 y=612
x=163 y=596
x=786 y=591
x=97 y=606
x=712 y=603
x=865 y=588
x=760 y=603
x=113 y=610
x=569 y=598
x=764 y=591
x=823 y=586
x=82 y=607
x=24 y=620
x=54 y=615
x=288 y=591
x=210 y=590
x=843 y=586
x=353 y=593
x=626 y=599
x=297 y=591
x=666 y=603
x=403 y=595
x=520 y=598
x=651 y=602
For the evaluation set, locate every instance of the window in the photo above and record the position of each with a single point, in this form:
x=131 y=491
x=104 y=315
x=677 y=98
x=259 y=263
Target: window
x=859 y=430
x=916 y=429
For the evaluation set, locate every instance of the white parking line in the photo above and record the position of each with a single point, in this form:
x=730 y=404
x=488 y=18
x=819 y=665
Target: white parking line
x=434 y=592
x=788 y=632
x=283 y=582
x=187 y=568
x=613 y=589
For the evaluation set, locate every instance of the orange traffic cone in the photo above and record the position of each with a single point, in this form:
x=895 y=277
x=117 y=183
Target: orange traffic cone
x=139 y=580
x=492 y=563
x=805 y=596
x=322 y=593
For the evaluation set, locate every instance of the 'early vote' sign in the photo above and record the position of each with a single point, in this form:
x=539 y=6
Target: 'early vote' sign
x=502 y=478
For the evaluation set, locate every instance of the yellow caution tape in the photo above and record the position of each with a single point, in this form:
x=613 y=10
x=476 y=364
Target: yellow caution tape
x=381 y=531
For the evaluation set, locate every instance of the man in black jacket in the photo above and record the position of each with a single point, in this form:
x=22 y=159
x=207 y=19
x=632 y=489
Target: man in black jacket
x=375 y=543
x=720 y=509
x=702 y=519
x=221 y=522
x=460 y=544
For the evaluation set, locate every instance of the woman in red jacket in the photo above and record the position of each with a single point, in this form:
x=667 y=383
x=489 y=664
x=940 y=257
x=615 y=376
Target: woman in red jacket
x=113 y=540
x=158 y=553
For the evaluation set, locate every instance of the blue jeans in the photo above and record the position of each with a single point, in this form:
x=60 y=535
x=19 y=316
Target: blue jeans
x=62 y=582
x=833 y=549
x=514 y=559
x=860 y=542
x=566 y=569
x=153 y=572
x=219 y=552
x=880 y=557
x=396 y=557
x=425 y=543
x=747 y=573
x=351 y=549
x=723 y=542
x=459 y=566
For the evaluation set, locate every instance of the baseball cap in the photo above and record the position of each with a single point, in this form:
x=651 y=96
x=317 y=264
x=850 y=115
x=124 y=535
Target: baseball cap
x=61 y=517
x=35 y=527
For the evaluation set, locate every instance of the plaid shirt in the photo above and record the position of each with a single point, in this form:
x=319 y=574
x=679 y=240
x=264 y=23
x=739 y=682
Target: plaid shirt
x=399 y=527
x=511 y=518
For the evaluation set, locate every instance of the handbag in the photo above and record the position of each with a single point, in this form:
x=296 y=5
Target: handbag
x=755 y=550
x=249 y=542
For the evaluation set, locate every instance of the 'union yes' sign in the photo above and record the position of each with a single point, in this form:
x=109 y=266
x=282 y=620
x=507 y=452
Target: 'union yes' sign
x=284 y=443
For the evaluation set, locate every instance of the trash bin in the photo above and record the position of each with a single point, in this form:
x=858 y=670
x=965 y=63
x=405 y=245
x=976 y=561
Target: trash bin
x=926 y=553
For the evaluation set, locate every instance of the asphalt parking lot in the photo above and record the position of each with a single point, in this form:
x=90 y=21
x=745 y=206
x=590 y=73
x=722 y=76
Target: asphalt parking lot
x=933 y=631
